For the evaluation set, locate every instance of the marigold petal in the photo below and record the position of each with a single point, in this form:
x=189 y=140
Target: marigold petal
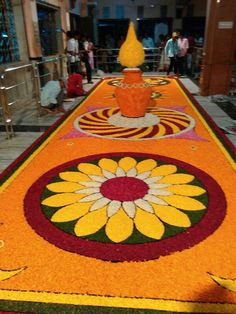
x=186 y=189
x=71 y=212
x=152 y=180
x=149 y=224
x=89 y=169
x=143 y=175
x=129 y=208
x=120 y=172
x=177 y=178
x=154 y=199
x=108 y=174
x=91 y=223
x=163 y=170
x=183 y=202
x=92 y=184
x=98 y=178
x=87 y=190
x=113 y=208
x=143 y=204
x=146 y=165
x=74 y=176
x=172 y=216
x=108 y=164
x=91 y=197
x=119 y=227
x=132 y=172
x=62 y=199
x=100 y=203
x=59 y=187
x=127 y=163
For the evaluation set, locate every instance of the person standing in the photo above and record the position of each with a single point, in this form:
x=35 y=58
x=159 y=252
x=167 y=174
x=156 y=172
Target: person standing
x=84 y=56
x=171 y=50
x=182 y=54
x=72 y=50
x=148 y=44
x=89 y=47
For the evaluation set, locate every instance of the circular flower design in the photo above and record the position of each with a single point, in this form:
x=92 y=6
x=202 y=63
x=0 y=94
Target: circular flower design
x=125 y=206
x=123 y=195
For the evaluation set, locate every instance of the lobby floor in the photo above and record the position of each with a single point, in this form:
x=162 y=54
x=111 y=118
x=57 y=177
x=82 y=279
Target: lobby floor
x=29 y=125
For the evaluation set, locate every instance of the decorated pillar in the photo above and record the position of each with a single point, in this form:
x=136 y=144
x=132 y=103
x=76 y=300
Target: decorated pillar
x=219 y=47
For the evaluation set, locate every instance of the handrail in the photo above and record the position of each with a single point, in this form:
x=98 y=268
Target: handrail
x=104 y=57
x=17 y=68
x=36 y=91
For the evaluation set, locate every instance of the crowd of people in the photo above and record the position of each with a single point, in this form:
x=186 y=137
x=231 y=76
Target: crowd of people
x=176 y=58
x=80 y=65
x=169 y=54
x=177 y=53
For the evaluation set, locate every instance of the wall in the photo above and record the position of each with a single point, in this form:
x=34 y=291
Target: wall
x=20 y=29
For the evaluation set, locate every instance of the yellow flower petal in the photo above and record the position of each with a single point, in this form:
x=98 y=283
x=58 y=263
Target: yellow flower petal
x=148 y=224
x=186 y=189
x=172 y=216
x=91 y=223
x=62 y=199
x=108 y=164
x=163 y=170
x=119 y=227
x=178 y=178
x=146 y=165
x=74 y=176
x=71 y=212
x=127 y=163
x=89 y=169
x=60 y=187
x=183 y=202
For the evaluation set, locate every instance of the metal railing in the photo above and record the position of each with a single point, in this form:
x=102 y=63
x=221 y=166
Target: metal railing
x=107 y=60
x=23 y=83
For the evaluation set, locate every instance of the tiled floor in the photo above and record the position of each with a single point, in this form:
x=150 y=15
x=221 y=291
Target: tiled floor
x=30 y=125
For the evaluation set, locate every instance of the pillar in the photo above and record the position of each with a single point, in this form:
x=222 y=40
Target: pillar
x=219 y=47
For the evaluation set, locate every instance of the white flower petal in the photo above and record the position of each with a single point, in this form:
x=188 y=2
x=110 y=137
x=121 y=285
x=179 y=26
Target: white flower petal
x=97 y=178
x=120 y=172
x=113 y=208
x=132 y=172
x=153 y=179
x=90 y=198
x=88 y=191
x=154 y=199
x=99 y=204
x=91 y=184
x=158 y=186
x=144 y=205
x=159 y=192
x=144 y=175
x=108 y=174
x=129 y=208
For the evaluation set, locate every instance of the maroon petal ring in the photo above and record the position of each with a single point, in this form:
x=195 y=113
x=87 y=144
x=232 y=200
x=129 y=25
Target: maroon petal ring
x=209 y=223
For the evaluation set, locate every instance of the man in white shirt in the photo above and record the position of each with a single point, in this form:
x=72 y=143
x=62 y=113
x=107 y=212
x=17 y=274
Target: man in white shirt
x=171 y=51
x=52 y=95
x=72 y=50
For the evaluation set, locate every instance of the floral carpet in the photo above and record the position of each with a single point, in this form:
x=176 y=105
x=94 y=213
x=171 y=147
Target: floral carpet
x=108 y=214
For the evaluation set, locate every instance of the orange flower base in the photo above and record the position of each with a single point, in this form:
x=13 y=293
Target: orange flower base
x=133 y=95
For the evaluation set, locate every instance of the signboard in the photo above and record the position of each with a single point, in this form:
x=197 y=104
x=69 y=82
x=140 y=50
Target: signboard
x=225 y=24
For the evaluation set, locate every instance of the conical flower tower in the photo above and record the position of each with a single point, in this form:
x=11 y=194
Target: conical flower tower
x=133 y=95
